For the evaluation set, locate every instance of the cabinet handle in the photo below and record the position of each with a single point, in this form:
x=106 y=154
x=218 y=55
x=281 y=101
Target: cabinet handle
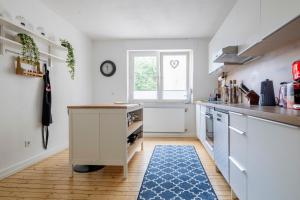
x=274 y=122
x=237 y=130
x=242 y=169
x=240 y=114
x=208 y=116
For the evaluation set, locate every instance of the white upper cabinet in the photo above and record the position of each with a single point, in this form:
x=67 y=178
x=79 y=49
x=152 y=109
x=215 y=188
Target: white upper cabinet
x=225 y=36
x=248 y=23
x=276 y=13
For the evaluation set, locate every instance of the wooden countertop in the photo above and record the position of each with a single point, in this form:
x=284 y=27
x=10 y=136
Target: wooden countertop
x=274 y=113
x=105 y=106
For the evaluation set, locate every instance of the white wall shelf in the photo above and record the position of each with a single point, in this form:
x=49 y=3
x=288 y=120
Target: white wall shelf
x=20 y=29
x=10 y=42
x=8 y=30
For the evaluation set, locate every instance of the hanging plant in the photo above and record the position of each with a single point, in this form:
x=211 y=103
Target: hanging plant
x=30 y=51
x=70 y=57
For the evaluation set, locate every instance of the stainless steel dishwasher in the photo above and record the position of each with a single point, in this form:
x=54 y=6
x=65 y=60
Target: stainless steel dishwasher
x=221 y=142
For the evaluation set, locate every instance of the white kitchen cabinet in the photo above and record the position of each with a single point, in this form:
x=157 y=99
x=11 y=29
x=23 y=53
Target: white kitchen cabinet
x=225 y=36
x=273 y=160
x=276 y=13
x=214 y=46
x=248 y=23
x=238 y=179
x=198 y=118
x=202 y=132
x=247 y=27
x=87 y=123
x=221 y=143
x=238 y=154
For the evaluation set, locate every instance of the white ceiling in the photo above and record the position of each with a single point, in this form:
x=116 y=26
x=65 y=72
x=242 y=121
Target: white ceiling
x=136 y=19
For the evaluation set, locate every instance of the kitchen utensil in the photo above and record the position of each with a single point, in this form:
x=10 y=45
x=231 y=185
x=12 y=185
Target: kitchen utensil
x=267 y=93
x=244 y=88
x=251 y=95
x=282 y=101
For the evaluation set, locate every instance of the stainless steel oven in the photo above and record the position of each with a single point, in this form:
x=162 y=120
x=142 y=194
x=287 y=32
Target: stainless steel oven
x=209 y=120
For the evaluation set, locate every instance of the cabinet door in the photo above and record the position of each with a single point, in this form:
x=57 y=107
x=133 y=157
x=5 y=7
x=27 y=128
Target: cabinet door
x=248 y=23
x=202 y=124
x=198 y=114
x=225 y=36
x=113 y=138
x=221 y=143
x=276 y=13
x=85 y=138
x=273 y=160
x=214 y=46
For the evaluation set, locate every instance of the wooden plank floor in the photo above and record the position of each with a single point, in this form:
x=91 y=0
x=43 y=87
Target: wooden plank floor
x=49 y=179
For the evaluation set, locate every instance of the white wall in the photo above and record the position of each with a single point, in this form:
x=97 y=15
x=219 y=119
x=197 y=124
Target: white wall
x=110 y=89
x=21 y=97
x=275 y=65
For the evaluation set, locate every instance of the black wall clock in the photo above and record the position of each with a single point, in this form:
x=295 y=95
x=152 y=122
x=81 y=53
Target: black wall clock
x=107 y=68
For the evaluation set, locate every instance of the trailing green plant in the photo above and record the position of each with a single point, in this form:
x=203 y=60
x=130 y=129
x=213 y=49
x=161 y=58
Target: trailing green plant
x=29 y=49
x=70 y=57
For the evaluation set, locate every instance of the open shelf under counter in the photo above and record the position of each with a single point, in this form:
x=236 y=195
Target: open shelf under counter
x=132 y=149
x=133 y=127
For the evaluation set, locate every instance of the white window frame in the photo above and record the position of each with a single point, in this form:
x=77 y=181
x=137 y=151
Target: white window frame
x=159 y=55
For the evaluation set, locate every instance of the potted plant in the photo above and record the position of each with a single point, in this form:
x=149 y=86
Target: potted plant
x=30 y=51
x=70 y=57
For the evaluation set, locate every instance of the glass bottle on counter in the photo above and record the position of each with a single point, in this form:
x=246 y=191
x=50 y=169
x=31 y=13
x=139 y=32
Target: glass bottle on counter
x=225 y=94
x=235 y=91
x=230 y=100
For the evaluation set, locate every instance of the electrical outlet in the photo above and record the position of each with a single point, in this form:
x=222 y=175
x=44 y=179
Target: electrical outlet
x=27 y=144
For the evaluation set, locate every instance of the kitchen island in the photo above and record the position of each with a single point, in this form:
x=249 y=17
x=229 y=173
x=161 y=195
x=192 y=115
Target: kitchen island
x=104 y=134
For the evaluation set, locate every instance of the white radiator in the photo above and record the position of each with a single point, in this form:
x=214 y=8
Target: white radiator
x=164 y=120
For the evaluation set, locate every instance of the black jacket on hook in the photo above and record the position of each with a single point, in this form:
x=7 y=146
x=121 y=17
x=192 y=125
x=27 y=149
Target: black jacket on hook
x=46 y=112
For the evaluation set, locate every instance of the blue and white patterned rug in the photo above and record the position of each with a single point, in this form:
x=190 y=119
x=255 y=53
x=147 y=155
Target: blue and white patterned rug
x=175 y=172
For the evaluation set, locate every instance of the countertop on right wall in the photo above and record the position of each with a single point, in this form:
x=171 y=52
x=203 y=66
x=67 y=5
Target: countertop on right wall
x=274 y=113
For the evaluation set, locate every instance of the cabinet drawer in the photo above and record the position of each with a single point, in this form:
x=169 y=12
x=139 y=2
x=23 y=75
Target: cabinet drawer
x=238 y=121
x=238 y=179
x=238 y=145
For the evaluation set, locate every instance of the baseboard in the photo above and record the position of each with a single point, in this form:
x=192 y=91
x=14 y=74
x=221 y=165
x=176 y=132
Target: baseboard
x=30 y=161
x=147 y=134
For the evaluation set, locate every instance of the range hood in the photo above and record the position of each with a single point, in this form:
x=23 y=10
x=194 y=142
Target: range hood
x=229 y=56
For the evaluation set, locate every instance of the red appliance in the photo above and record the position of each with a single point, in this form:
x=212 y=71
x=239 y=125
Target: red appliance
x=296 y=70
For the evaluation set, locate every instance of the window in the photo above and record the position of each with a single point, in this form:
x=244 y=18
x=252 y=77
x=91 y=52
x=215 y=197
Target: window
x=159 y=75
